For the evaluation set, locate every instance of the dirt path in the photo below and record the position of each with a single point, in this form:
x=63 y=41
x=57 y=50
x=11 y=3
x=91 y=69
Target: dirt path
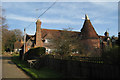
x=10 y=70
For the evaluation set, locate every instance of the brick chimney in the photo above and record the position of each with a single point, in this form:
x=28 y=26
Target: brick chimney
x=39 y=42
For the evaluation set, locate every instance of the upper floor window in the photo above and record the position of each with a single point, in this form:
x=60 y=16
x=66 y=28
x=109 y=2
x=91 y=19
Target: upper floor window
x=47 y=40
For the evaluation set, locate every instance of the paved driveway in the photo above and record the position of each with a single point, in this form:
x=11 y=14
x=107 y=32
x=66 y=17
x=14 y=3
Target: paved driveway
x=10 y=70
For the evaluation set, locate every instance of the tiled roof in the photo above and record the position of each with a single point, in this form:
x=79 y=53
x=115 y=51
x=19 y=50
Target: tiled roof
x=101 y=36
x=88 y=31
x=32 y=37
x=51 y=33
x=17 y=45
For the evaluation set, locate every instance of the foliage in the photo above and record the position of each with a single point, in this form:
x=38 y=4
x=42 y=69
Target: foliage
x=8 y=36
x=118 y=41
x=15 y=54
x=35 y=52
x=81 y=47
x=68 y=42
x=64 y=43
x=3 y=25
x=111 y=55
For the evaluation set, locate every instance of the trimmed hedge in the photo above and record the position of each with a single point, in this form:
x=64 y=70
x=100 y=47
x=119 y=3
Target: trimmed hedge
x=35 y=53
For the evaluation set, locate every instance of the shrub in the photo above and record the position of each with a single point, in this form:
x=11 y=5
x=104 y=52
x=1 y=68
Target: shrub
x=35 y=53
x=111 y=55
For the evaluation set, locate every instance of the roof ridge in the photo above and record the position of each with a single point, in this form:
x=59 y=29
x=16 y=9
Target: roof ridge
x=58 y=30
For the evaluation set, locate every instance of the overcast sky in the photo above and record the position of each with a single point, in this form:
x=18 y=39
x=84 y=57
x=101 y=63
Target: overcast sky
x=103 y=15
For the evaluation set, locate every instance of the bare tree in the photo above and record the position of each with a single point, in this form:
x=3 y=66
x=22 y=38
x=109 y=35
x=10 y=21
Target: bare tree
x=18 y=34
x=3 y=29
x=69 y=42
x=8 y=36
x=65 y=42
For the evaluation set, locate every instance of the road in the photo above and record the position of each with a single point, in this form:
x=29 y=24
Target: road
x=10 y=70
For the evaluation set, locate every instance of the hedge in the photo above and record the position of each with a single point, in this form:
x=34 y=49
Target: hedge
x=34 y=53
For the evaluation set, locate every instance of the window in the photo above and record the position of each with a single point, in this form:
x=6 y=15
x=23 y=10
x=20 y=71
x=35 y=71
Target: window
x=48 y=50
x=47 y=40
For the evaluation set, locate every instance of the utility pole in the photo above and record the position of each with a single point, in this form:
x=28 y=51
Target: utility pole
x=24 y=44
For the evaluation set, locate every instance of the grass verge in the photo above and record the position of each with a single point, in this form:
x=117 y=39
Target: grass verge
x=41 y=73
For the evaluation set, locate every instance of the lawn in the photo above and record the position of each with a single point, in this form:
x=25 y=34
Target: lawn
x=43 y=72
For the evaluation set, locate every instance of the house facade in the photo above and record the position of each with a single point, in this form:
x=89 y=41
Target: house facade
x=88 y=36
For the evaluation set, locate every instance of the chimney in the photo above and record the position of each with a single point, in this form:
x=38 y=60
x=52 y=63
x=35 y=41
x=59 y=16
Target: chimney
x=39 y=42
x=106 y=34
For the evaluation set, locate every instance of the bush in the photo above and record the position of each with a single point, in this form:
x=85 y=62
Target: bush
x=111 y=55
x=35 y=53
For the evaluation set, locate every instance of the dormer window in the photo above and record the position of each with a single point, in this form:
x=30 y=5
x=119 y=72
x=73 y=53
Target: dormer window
x=108 y=39
x=47 y=40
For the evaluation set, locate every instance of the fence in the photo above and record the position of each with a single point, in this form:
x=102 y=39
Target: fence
x=78 y=58
x=81 y=69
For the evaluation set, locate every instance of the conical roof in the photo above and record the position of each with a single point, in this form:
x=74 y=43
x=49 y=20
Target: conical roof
x=87 y=31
